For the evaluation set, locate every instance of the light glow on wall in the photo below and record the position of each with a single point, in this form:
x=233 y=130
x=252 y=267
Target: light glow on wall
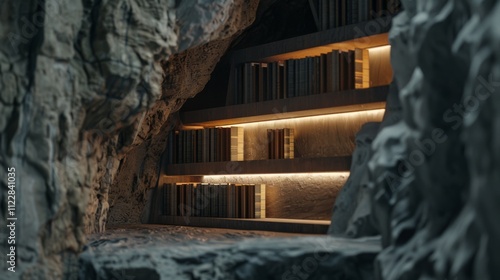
x=303 y=120
x=292 y=176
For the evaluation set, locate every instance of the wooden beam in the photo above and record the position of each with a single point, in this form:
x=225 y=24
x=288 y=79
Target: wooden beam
x=274 y=166
x=302 y=106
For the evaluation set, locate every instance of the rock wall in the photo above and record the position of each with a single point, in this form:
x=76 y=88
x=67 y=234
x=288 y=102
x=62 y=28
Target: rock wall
x=433 y=176
x=80 y=86
x=159 y=252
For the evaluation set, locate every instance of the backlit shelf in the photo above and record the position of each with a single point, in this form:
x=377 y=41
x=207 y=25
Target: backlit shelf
x=302 y=106
x=274 y=166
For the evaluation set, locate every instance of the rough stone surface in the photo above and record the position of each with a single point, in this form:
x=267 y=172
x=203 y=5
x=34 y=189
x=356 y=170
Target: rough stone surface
x=351 y=213
x=76 y=81
x=433 y=176
x=185 y=74
x=192 y=253
x=352 y=210
x=81 y=86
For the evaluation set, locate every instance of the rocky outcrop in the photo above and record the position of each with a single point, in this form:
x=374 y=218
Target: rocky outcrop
x=155 y=252
x=431 y=177
x=186 y=74
x=80 y=85
x=351 y=213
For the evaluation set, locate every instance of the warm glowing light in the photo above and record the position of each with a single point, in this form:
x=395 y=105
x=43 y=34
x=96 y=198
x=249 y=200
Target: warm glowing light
x=304 y=120
x=360 y=43
x=294 y=176
x=380 y=49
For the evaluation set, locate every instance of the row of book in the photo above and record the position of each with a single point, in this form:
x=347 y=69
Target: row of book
x=211 y=200
x=331 y=14
x=206 y=145
x=328 y=72
x=280 y=143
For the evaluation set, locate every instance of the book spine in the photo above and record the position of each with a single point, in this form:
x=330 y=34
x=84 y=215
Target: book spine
x=282 y=143
x=328 y=71
x=351 y=69
x=243 y=204
x=303 y=77
x=231 y=201
x=324 y=14
x=277 y=143
x=269 y=91
x=366 y=69
x=260 y=201
x=270 y=144
x=261 y=83
x=354 y=11
x=343 y=4
x=275 y=80
x=317 y=75
x=332 y=14
x=288 y=153
x=349 y=11
x=251 y=202
x=358 y=68
x=237 y=198
x=309 y=81
x=335 y=71
x=282 y=80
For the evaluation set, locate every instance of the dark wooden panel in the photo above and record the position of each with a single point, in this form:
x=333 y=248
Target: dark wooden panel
x=311 y=105
x=297 y=165
x=268 y=224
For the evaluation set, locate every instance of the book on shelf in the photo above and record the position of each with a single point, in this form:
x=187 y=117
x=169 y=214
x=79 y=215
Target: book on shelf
x=210 y=200
x=289 y=145
x=337 y=70
x=280 y=143
x=259 y=204
x=332 y=14
x=206 y=145
x=362 y=69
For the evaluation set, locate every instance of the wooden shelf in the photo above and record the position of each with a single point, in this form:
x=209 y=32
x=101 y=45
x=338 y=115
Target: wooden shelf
x=268 y=224
x=275 y=166
x=302 y=106
x=368 y=34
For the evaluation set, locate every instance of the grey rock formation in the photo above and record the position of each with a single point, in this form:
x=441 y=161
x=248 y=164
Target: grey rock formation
x=180 y=253
x=351 y=213
x=76 y=81
x=431 y=175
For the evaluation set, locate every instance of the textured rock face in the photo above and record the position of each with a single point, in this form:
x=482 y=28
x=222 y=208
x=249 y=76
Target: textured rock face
x=180 y=253
x=352 y=210
x=432 y=175
x=76 y=80
x=186 y=74
x=351 y=213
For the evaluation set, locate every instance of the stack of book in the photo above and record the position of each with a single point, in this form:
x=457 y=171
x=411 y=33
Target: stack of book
x=211 y=200
x=331 y=14
x=280 y=143
x=328 y=72
x=206 y=145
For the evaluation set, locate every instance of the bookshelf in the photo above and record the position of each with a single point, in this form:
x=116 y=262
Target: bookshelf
x=300 y=106
x=300 y=190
